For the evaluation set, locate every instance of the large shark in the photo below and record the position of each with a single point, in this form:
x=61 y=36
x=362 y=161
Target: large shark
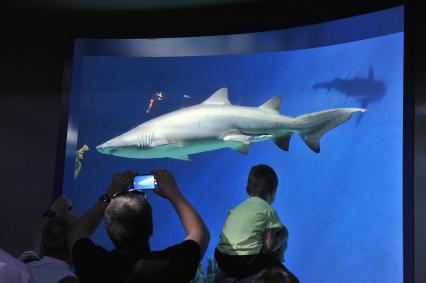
x=216 y=123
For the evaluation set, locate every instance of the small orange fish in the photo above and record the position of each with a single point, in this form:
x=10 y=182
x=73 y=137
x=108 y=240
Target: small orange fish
x=151 y=102
x=159 y=95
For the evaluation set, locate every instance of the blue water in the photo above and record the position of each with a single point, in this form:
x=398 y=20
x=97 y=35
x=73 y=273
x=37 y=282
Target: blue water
x=342 y=207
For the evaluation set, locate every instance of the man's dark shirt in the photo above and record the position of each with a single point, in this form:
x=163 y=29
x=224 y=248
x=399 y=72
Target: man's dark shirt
x=174 y=264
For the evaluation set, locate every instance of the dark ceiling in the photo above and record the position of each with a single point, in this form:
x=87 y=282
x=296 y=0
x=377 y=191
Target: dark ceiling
x=119 y=5
x=36 y=34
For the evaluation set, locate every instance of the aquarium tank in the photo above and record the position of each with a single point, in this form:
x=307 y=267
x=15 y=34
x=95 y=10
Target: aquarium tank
x=321 y=104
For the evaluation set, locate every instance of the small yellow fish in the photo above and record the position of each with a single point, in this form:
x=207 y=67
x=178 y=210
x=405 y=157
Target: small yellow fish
x=78 y=157
x=159 y=95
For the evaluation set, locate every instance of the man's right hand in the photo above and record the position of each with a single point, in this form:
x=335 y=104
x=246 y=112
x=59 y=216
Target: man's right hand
x=120 y=182
x=166 y=185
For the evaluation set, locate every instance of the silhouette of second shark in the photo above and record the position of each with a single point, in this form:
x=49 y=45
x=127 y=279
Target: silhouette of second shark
x=364 y=90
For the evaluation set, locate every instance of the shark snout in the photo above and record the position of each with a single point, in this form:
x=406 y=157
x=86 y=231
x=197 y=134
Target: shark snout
x=117 y=144
x=106 y=147
x=110 y=146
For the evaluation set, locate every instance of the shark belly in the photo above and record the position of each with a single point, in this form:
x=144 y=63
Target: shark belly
x=198 y=146
x=177 y=151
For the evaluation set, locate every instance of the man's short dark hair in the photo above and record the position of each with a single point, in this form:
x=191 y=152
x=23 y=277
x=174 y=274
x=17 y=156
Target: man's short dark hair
x=54 y=237
x=276 y=275
x=129 y=221
x=262 y=180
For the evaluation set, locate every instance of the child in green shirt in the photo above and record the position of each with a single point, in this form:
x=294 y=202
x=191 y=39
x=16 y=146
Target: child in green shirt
x=253 y=237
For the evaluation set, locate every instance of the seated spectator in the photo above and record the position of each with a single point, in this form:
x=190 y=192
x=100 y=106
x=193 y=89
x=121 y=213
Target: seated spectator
x=129 y=225
x=253 y=237
x=50 y=260
x=276 y=275
x=13 y=270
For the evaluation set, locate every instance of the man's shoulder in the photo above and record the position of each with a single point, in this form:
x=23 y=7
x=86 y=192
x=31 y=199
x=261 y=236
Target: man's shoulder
x=82 y=243
x=94 y=263
x=177 y=263
x=183 y=247
x=85 y=251
x=86 y=243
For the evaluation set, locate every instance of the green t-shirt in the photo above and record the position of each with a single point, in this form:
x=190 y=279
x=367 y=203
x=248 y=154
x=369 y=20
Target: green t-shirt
x=242 y=233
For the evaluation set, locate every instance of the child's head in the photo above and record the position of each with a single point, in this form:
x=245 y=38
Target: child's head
x=262 y=182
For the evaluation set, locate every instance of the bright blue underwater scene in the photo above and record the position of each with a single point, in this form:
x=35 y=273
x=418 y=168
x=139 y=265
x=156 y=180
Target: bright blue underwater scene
x=342 y=206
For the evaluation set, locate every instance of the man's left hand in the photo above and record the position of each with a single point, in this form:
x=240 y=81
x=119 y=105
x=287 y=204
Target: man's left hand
x=62 y=206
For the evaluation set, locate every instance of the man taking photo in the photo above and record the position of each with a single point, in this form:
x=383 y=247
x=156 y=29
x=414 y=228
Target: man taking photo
x=129 y=225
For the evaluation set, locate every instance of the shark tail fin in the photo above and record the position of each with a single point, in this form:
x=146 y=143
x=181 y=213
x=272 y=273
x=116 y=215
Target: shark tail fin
x=318 y=123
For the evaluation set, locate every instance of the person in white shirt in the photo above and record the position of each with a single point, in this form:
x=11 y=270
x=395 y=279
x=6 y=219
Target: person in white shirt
x=13 y=271
x=52 y=264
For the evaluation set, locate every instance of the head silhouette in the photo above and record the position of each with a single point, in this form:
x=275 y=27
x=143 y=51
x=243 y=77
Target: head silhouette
x=129 y=222
x=262 y=182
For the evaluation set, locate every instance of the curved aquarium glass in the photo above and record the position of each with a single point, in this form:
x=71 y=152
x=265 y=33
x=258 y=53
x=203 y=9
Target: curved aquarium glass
x=321 y=104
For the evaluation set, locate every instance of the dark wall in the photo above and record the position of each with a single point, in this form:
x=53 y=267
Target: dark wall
x=28 y=140
x=419 y=69
x=31 y=53
x=34 y=45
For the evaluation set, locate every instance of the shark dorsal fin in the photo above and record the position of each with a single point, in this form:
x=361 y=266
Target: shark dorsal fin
x=220 y=97
x=370 y=74
x=273 y=104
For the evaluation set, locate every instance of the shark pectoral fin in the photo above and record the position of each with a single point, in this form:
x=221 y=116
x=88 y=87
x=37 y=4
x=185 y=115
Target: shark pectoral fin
x=244 y=148
x=181 y=157
x=160 y=142
x=238 y=138
x=177 y=143
x=283 y=141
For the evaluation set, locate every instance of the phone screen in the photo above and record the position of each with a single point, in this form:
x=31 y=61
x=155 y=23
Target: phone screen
x=144 y=182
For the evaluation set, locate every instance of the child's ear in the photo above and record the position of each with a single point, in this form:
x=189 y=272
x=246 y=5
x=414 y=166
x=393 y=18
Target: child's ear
x=248 y=191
